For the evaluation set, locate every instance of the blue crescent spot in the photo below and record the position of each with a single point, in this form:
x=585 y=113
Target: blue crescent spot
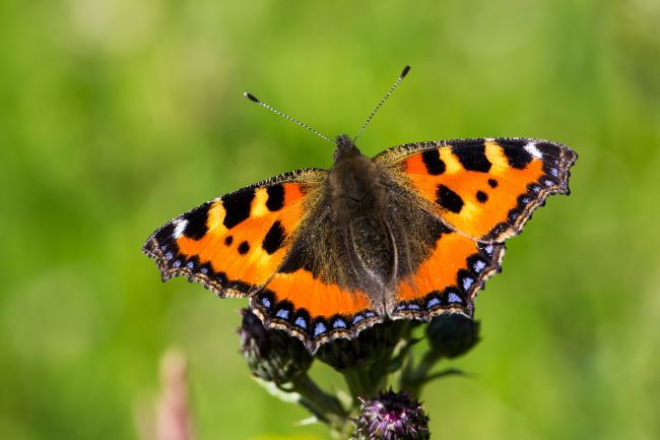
x=467 y=283
x=266 y=302
x=432 y=303
x=319 y=328
x=339 y=323
x=300 y=322
x=282 y=313
x=479 y=266
x=453 y=298
x=357 y=318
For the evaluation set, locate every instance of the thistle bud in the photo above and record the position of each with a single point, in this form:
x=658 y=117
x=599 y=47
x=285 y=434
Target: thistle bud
x=391 y=416
x=452 y=335
x=272 y=355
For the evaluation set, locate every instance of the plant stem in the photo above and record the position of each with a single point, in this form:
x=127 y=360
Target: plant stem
x=359 y=382
x=412 y=381
x=323 y=405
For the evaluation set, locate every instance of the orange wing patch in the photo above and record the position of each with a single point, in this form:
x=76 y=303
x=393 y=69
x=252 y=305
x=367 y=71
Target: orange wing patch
x=234 y=244
x=488 y=188
x=449 y=279
x=311 y=309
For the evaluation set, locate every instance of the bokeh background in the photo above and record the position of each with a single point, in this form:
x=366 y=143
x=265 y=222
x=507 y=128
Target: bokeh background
x=116 y=115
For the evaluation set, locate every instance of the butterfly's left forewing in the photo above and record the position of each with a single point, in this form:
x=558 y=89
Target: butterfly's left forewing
x=486 y=189
x=234 y=244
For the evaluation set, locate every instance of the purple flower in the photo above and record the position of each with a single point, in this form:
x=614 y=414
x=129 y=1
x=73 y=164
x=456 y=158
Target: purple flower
x=391 y=416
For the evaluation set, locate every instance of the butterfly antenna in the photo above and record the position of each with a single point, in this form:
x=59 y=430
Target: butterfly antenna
x=254 y=99
x=382 y=101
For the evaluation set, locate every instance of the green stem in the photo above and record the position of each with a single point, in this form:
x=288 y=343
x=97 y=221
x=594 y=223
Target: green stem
x=323 y=405
x=359 y=382
x=413 y=380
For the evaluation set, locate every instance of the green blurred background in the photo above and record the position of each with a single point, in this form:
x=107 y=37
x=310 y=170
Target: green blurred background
x=116 y=115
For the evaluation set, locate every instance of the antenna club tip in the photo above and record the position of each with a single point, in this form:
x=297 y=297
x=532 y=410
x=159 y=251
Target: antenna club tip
x=251 y=97
x=405 y=72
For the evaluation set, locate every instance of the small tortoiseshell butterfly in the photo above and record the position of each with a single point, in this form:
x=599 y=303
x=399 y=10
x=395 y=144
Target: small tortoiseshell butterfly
x=411 y=233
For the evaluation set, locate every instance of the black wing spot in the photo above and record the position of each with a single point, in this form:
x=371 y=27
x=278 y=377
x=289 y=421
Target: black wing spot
x=515 y=153
x=448 y=199
x=244 y=248
x=482 y=197
x=434 y=165
x=229 y=240
x=274 y=238
x=275 y=200
x=237 y=207
x=196 y=222
x=492 y=183
x=472 y=156
x=164 y=235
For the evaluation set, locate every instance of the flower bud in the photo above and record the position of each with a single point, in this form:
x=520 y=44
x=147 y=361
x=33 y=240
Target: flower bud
x=452 y=335
x=272 y=355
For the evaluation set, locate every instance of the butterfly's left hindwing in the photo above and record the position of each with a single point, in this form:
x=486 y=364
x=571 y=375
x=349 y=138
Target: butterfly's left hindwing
x=234 y=244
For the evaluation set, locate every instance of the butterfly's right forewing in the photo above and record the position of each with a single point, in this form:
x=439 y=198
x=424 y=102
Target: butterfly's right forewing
x=234 y=244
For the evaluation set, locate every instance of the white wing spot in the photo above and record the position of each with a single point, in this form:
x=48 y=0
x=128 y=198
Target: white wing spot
x=531 y=149
x=180 y=227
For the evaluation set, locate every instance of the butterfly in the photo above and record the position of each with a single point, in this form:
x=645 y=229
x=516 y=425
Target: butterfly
x=411 y=233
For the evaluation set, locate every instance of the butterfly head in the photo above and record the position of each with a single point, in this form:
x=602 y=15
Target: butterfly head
x=345 y=147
